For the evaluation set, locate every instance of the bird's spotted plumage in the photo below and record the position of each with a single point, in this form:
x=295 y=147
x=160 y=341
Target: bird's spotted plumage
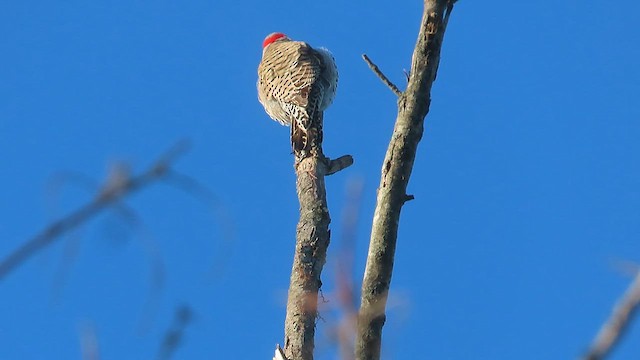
x=296 y=83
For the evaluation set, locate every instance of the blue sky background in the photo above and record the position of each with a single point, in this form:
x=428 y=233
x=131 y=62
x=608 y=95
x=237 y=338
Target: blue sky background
x=526 y=181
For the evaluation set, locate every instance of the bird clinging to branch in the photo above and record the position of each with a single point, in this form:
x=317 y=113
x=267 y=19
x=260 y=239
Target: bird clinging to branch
x=296 y=83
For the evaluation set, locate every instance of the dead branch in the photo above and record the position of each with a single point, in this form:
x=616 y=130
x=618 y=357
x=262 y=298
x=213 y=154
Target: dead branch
x=119 y=185
x=413 y=106
x=614 y=328
x=312 y=241
x=385 y=80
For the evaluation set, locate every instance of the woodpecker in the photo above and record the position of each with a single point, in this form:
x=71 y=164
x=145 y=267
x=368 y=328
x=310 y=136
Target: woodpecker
x=296 y=83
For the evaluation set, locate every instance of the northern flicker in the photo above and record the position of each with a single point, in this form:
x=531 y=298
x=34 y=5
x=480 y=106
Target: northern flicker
x=296 y=83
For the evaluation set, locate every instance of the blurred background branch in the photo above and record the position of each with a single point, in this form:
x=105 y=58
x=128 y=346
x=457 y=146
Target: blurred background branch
x=118 y=185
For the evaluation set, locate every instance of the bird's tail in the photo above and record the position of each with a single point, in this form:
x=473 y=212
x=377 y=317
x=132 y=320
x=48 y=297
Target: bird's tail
x=306 y=135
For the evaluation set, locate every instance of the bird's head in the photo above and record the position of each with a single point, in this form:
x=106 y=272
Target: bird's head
x=273 y=37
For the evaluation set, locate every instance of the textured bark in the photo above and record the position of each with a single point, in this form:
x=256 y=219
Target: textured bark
x=413 y=106
x=312 y=241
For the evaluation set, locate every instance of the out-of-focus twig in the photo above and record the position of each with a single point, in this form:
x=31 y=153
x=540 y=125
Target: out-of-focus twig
x=174 y=335
x=123 y=212
x=220 y=212
x=119 y=184
x=614 y=328
x=345 y=271
x=89 y=343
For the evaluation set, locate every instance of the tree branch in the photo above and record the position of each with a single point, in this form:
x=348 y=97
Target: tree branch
x=173 y=337
x=376 y=70
x=614 y=328
x=338 y=164
x=119 y=185
x=413 y=106
x=312 y=241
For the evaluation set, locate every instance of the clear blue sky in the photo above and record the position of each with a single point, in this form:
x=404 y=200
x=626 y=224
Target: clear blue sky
x=526 y=181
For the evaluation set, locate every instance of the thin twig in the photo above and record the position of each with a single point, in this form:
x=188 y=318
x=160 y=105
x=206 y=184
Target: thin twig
x=614 y=328
x=218 y=209
x=118 y=185
x=173 y=337
x=89 y=342
x=345 y=270
x=380 y=75
x=130 y=218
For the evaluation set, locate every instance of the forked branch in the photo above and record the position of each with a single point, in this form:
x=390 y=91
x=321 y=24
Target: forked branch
x=413 y=106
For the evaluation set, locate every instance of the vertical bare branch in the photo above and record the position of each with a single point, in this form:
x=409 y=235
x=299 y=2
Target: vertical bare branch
x=413 y=106
x=613 y=329
x=312 y=240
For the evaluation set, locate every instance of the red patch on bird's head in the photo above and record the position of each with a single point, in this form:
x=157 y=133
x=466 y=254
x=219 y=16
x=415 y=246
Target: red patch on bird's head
x=273 y=37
